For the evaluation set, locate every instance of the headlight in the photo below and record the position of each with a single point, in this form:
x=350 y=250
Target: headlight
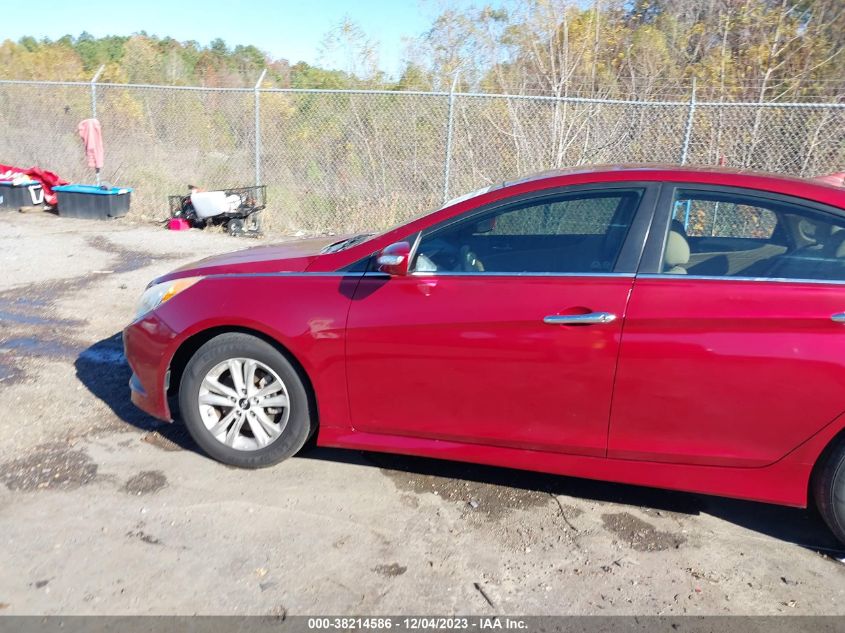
x=155 y=295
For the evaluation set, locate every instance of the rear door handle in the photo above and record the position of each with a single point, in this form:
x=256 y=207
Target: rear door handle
x=839 y=317
x=586 y=319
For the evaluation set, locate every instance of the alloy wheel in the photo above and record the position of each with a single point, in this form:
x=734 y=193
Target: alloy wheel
x=244 y=404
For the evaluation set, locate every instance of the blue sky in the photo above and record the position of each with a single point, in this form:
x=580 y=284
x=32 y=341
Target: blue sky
x=283 y=28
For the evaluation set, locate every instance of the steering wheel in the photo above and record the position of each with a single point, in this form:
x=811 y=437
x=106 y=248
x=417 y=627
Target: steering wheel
x=469 y=262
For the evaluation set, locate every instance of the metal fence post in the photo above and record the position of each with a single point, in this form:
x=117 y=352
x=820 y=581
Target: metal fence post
x=688 y=130
x=450 y=122
x=94 y=80
x=258 y=128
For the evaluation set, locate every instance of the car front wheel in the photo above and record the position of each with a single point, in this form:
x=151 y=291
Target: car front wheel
x=829 y=489
x=243 y=402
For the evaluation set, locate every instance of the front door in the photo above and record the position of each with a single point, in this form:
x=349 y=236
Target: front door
x=508 y=330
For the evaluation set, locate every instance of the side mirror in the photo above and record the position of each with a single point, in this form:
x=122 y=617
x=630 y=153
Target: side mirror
x=395 y=259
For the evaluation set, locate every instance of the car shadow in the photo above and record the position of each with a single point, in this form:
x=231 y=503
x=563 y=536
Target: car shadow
x=103 y=370
x=801 y=527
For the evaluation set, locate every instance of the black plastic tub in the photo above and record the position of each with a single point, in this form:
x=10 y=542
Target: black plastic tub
x=24 y=194
x=92 y=202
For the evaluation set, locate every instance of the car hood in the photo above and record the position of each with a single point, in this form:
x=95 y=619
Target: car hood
x=294 y=256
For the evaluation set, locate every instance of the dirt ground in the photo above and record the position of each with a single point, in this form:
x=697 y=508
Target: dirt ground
x=105 y=511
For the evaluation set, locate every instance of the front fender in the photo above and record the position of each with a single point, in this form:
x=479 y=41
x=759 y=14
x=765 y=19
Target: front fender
x=305 y=313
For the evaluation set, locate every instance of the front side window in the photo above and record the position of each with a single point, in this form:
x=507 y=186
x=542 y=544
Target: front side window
x=726 y=234
x=579 y=232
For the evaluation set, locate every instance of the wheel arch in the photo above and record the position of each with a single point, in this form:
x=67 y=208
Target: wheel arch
x=820 y=462
x=191 y=344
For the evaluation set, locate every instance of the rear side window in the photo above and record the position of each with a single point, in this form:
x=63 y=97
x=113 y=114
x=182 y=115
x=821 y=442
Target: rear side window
x=736 y=235
x=579 y=232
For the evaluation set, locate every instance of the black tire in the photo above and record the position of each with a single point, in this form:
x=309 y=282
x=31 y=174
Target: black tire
x=829 y=488
x=235 y=227
x=238 y=345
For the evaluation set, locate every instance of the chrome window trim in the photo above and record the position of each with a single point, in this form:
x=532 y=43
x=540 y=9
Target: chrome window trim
x=332 y=273
x=533 y=274
x=374 y=273
x=424 y=274
x=744 y=279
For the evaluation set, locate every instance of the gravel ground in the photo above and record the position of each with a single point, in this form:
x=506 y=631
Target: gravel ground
x=105 y=511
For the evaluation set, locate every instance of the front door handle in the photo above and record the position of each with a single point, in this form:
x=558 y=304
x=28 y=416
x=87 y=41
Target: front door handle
x=839 y=317
x=586 y=319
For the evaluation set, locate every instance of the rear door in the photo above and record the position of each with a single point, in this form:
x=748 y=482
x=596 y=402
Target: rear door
x=508 y=331
x=734 y=337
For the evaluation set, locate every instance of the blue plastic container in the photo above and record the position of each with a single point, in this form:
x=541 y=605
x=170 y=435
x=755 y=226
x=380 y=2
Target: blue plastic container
x=92 y=202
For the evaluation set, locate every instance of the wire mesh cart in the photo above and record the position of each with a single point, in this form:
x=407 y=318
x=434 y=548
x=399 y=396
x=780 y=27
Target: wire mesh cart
x=236 y=208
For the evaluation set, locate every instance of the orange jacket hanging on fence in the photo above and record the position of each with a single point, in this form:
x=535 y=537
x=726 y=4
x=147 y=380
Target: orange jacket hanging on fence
x=92 y=137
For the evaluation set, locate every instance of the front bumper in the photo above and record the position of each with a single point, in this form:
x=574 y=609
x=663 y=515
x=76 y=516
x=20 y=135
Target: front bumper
x=149 y=345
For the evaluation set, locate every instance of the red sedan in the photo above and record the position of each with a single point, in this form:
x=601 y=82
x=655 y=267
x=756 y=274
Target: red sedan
x=659 y=326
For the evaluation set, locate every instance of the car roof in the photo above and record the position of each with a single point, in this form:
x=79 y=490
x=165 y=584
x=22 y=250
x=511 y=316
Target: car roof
x=665 y=169
x=819 y=190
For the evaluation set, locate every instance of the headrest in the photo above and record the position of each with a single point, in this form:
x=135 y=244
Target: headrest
x=835 y=245
x=677 y=250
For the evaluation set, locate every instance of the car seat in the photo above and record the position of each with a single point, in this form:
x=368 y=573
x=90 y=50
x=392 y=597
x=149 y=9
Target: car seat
x=676 y=254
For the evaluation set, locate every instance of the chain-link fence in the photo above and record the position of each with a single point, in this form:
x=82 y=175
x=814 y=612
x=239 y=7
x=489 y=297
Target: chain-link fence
x=337 y=161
